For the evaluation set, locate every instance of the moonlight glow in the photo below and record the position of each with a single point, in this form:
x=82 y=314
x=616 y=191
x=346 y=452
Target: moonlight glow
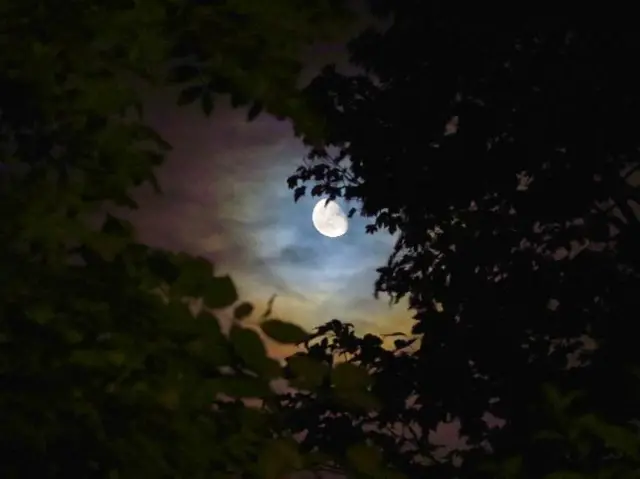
x=329 y=219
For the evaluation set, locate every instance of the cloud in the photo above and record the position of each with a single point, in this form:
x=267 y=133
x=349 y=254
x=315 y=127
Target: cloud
x=226 y=198
x=298 y=256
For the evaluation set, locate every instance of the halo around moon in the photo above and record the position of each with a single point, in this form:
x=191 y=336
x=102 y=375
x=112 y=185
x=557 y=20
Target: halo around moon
x=329 y=219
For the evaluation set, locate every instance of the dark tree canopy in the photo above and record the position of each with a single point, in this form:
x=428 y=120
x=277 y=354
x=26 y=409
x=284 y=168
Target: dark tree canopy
x=106 y=370
x=495 y=142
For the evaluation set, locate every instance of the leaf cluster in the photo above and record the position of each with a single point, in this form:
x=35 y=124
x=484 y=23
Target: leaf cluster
x=108 y=366
x=492 y=152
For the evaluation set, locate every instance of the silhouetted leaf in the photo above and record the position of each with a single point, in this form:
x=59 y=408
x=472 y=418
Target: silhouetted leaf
x=346 y=376
x=615 y=437
x=365 y=459
x=279 y=458
x=283 y=332
x=309 y=373
x=299 y=193
x=109 y=372
x=220 y=292
x=475 y=195
x=248 y=346
x=243 y=310
x=269 y=309
x=162 y=266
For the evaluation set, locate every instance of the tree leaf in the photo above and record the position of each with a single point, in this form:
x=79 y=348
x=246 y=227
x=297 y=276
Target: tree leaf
x=161 y=266
x=283 y=332
x=243 y=310
x=299 y=192
x=249 y=347
x=356 y=398
x=220 y=292
x=615 y=437
x=213 y=346
x=88 y=358
x=195 y=275
x=309 y=373
x=117 y=227
x=279 y=458
x=347 y=377
x=364 y=458
x=512 y=467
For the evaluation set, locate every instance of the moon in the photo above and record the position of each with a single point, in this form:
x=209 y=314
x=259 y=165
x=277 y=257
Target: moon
x=329 y=219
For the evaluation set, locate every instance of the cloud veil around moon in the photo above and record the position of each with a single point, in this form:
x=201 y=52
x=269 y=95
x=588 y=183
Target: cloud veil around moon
x=226 y=198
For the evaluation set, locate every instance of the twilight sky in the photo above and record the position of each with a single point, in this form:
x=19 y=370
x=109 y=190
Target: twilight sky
x=225 y=198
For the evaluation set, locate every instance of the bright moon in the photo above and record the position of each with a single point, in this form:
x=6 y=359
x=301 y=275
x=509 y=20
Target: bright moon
x=329 y=219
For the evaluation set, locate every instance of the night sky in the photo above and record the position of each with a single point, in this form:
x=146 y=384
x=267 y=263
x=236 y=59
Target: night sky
x=226 y=198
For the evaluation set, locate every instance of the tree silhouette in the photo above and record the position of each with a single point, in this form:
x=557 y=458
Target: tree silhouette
x=502 y=148
x=106 y=368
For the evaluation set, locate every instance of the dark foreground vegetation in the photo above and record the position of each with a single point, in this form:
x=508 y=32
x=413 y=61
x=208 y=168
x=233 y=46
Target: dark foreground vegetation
x=502 y=146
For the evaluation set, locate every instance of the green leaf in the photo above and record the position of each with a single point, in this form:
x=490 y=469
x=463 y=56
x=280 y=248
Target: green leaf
x=41 y=314
x=279 y=458
x=512 y=467
x=117 y=358
x=169 y=398
x=558 y=401
x=283 y=332
x=220 y=292
x=358 y=399
x=107 y=246
x=160 y=265
x=179 y=319
x=347 y=377
x=364 y=458
x=615 y=437
x=249 y=347
x=72 y=336
x=88 y=358
x=310 y=373
x=243 y=310
x=351 y=384
x=117 y=227
x=201 y=267
x=213 y=346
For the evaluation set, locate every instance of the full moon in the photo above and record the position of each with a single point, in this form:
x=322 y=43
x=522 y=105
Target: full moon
x=329 y=219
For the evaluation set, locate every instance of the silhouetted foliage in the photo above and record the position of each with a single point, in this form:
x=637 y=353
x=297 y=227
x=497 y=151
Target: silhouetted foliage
x=107 y=369
x=501 y=146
